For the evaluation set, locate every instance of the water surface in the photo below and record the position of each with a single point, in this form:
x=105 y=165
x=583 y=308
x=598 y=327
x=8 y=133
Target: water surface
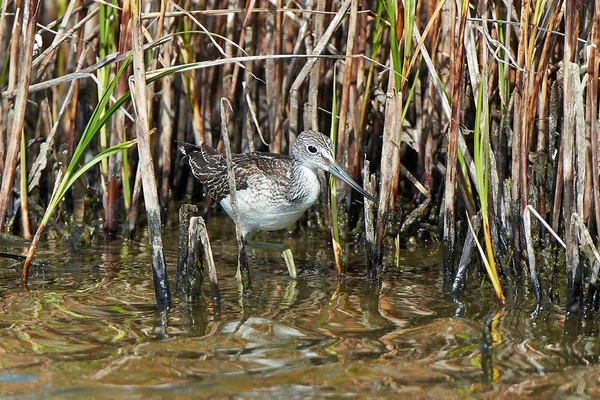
x=89 y=329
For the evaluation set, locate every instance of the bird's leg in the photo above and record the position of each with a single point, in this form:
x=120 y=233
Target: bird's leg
x=284 y=249
x=248 y=240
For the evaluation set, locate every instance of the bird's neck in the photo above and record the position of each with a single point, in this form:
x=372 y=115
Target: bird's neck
x=304 y=184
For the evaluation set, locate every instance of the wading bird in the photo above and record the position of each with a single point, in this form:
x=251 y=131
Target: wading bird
x=273 y=190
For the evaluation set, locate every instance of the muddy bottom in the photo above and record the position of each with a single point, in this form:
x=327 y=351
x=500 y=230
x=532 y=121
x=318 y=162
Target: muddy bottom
x=89 y=329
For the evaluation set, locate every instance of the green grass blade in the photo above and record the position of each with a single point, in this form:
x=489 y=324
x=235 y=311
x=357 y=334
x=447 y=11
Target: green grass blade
x=68 y=181
x=335 y=231
x=390 y=7
x=99 y=118
x=126 y=184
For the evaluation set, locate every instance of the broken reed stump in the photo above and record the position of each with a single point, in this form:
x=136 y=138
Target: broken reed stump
x=193 y=266
x=190 y=270
x=242 y=258
x=369 y=210
x=469 y=246
x=184 y=223
x=210 y=264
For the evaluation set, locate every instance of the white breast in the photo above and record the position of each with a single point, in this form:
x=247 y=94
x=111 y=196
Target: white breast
x=260 y=211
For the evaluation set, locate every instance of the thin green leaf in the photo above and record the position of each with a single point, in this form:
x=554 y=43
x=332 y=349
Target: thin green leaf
x=70 y=180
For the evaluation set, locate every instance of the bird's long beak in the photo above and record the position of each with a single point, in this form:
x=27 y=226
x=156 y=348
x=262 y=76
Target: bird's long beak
x=340 y=173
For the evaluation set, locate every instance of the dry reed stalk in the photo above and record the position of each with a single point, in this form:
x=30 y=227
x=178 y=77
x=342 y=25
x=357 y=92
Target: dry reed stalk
x=166 y=113
x=543 y=141
x=523 y=116
x=212 y=269
x=71 y=116
x=12 y=83
x=369 y=183
x=460 y=279
x=250 y=85
x=289 y=35
x=46 y=148
x=518 y=123
x=195 y=94
x=160 y=28
x=182 y=246
x=117 y=130
x=474 y=71
x=488 y=163
x=243 y=44
x=138 y=91
x=586 y=244
x=311 y=114
x=25 y=55
x=243 y=260
x=194 y=275
x=571 y=73
x=250 y=119
x=451 y=170
x=531 y=255
x=555 y=107
x=135 y=203
x=495 y=194
x=273 y=43
x=82 y=74
x=431 y=124
x=307 y=68
x=228 y=88
x=207 y=93
x=181 y=129
x=541 y=73
x=447 y=42
x=475 y=77
x=359 y=93
x=79 y=190
x=278 y=103
x=342 y=139
x=298 y=38
x=200 y=136
x=340 y=264
x=3 y=103
x=588 y=184
x=539 y=79
x=581 y=152
x=592 y=111
x=543 y=145
x=528 y=84
x=25 y=230
x=88 y=71
x=435 y=79
x=390 y=161
x=42 y=62
x=166 y=131
x=506 y=97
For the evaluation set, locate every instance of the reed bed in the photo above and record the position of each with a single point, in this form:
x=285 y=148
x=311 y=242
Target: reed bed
x=480 y=111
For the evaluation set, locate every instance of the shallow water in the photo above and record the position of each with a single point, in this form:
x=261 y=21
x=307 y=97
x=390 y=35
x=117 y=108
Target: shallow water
x=89 y=329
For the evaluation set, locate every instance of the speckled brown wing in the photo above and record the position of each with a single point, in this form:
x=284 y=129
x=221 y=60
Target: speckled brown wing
x=210 y=167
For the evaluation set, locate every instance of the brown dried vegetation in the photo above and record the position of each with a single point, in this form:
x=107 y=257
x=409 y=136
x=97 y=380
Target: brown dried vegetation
x=408 y=77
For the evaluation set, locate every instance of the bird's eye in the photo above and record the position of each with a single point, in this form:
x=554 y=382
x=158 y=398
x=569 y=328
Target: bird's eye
x=311 y=149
